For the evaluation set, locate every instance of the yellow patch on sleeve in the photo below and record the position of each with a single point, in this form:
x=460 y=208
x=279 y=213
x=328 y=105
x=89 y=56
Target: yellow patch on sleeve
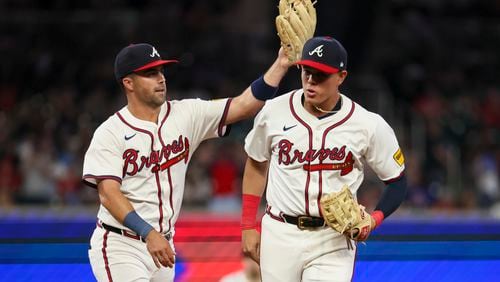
x=398 y=157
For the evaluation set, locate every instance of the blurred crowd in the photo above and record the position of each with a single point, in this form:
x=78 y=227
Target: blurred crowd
x=428 y=67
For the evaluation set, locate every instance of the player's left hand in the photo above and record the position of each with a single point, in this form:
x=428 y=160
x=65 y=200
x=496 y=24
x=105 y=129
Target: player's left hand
x=355 y=234
x=342 y=213
x=283 y=59
x=160 y=250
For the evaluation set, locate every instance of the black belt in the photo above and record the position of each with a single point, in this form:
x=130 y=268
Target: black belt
x=127 y=233
x=304 y=221
x=301 y=221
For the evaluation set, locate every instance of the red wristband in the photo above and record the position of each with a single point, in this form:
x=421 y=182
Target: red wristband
x=378 y=216
x=250 y=205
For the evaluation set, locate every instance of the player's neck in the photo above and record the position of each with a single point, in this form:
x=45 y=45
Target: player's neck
x=329 y=107
x=144 y=112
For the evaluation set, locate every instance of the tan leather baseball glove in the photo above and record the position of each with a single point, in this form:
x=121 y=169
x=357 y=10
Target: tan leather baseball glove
x=342 y=213
x=295 y=23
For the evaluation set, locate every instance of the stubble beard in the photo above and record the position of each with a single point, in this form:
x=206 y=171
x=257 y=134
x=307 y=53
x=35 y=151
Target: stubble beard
x=158 y=100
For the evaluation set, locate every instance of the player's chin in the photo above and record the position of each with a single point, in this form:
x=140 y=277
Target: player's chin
x=312 y=99
x=159 y=99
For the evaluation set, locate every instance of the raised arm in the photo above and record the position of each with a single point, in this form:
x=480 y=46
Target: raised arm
x=252 y=99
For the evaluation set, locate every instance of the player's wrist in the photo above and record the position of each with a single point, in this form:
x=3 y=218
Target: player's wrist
x=377 y=218
x=250 y=206
x=248 y=226
x=261 y=90
x=277 y=71
x=137 y=224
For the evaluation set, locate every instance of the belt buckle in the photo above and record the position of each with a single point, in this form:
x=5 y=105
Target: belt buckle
x=168 y=236
x=301 y=220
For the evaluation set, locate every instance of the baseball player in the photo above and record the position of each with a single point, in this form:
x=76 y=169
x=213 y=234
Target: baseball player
x=138 y=159
x=305 y=144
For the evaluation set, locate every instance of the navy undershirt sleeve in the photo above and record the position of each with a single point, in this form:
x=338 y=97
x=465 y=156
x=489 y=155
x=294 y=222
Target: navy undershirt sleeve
x=394 y=194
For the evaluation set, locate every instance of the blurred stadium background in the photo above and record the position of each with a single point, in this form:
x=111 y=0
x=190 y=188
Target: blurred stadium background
x=429 y=67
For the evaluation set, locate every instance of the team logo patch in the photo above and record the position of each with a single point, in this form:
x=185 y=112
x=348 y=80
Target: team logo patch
x=398 y=157
x=318 y=50
x=154 y=53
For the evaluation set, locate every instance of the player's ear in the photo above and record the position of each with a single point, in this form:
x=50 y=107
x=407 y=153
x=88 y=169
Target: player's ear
x=127 y=83
x=342 y=75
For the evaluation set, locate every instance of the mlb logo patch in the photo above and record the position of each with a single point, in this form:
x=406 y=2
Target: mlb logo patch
x=398 y=157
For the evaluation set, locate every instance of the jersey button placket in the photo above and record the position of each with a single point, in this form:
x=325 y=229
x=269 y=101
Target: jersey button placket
x=317 y=146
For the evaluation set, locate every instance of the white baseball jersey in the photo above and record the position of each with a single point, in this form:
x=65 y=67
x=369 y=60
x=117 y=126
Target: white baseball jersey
x=309 y=157
x=150 y=160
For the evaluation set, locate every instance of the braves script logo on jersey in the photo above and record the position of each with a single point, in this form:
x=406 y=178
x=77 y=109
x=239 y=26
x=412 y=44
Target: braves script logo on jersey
x=288 y=155
x=133 y=163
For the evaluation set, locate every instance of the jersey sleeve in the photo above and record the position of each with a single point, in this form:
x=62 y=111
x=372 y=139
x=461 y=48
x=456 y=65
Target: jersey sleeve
x=209 y=118
x=258 y=141
x=384 y=155
x=103 y=158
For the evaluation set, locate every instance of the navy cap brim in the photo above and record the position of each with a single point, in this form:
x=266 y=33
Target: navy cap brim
x=319 y=66
x=155 y=64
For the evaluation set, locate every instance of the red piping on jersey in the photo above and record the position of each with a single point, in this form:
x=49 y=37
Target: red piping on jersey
x=163 y=122
x=137 y=129
x=347 y=160
x=223 y=119
x=182 y=156
x=105 y=256
x=392 y=180
x=157 y=178
x=309 y=130
x=278 y=218
x=170 y=200
x=99 y=177
x=167 y=165
x=160 y=202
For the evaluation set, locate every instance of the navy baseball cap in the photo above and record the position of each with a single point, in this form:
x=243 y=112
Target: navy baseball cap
x=137 y=57
x=325 y=54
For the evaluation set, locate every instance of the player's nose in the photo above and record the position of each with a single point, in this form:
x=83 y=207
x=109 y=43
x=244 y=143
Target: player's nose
x=162 y=78
x=309 y=78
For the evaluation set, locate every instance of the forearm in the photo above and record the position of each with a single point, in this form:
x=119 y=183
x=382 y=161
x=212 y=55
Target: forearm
x=392 y=197
x=252 y=99
x=254 y=177
x=113 y=199
x=275 y=73
x=254 y=181
x=120 y=207
x=244 y=106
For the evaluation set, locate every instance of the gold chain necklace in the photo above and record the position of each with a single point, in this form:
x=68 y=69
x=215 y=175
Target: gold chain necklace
x=328 y=112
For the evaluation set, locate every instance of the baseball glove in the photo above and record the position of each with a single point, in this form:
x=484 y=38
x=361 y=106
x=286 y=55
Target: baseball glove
x=342 y=213
x=295 y=23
